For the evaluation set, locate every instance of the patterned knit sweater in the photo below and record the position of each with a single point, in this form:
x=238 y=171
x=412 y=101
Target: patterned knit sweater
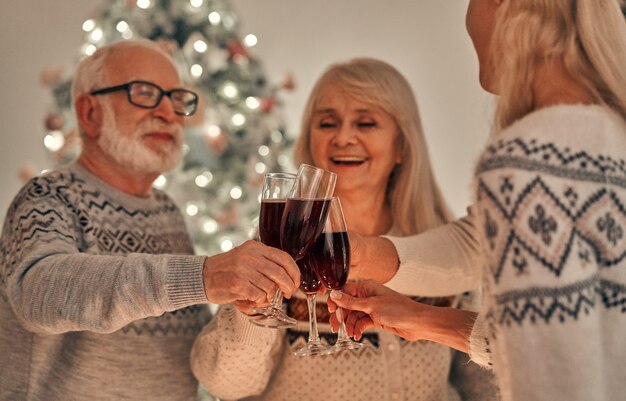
x=235 y=359
x=547 y=240
x=96 y=294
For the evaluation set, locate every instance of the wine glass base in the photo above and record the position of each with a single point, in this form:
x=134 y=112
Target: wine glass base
x=272 y=318
x=345 y=344
x=311 y=349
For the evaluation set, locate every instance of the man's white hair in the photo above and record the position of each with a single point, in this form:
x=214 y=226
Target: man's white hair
x=91 y=72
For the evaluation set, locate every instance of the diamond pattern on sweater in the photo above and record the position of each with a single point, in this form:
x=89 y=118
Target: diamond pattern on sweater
x=553 y=220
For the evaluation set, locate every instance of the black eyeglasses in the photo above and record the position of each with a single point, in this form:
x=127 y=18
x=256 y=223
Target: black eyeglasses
x=148 y=95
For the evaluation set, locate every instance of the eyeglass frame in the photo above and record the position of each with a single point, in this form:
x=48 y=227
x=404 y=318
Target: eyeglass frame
x=126 y=86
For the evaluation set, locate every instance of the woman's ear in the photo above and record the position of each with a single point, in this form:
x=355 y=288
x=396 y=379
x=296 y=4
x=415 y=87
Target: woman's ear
x=89 y=114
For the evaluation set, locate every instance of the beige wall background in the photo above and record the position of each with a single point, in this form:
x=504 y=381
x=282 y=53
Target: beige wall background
x=424 y=39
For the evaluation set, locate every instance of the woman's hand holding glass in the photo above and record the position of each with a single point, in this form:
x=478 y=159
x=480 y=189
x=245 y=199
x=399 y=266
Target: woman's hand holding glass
x=371 y=304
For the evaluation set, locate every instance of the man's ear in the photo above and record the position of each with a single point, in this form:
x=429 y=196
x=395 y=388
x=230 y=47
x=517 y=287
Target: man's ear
x=89 y=114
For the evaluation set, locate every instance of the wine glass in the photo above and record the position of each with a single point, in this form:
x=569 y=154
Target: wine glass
x=330 y=257
x=303 y=219
x=276 y=188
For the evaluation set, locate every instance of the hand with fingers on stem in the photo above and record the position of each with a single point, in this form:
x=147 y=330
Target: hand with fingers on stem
x=371 y=304
x=249 y=275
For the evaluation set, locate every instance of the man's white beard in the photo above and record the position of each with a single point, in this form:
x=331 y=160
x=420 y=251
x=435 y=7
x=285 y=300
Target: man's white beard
x=131 y=153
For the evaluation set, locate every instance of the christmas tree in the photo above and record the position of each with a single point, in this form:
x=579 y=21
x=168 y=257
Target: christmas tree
x=235 y=136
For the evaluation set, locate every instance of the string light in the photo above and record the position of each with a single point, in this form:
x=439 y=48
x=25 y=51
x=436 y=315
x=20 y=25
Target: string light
x=252 y=102
x=213 y=131
x=196 y=3
x=230 y=90
x=196 y=70
x=191 y=209
x=121 y=26
x=90 y=49
x=54 y=141
x=250 y=40
x=282 y=160
x=96 y=35
x=200 y=46
x=209 y=225
x=236 y=192
x=203 y=180
x=238 y=119
x=143 y=4
x=260 y=168
x=226 y=245
x=277 y=136
x=264 y=150
x=160 y=182
x=215 y=18
x=88 y=25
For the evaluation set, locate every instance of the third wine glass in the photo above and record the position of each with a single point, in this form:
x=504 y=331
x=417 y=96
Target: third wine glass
x=330 y=257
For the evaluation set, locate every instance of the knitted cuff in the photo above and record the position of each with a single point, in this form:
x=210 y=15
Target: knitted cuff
x=185 y=285
x=245 y=331
x=479 y=347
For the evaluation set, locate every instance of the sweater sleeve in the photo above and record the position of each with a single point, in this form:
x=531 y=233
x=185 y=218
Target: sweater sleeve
x=53 y=287
x=440 y=262
x=232 y=358
x=479 y=346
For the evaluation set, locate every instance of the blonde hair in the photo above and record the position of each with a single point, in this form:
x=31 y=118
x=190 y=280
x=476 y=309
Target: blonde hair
x=415 y=200
x=589 y=36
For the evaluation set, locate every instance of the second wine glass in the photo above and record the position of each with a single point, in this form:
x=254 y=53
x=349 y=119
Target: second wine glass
x=303 y=220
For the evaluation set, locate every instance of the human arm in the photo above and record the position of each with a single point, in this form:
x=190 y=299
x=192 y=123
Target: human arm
x=234 y=358
x=373 y=305
x=58 y=274
x=439 y=262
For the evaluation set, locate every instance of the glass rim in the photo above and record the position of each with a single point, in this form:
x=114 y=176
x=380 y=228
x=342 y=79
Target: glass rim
x=280 y=175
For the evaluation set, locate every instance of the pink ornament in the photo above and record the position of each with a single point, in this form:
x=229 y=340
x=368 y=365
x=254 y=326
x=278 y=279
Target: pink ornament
x=54 y=122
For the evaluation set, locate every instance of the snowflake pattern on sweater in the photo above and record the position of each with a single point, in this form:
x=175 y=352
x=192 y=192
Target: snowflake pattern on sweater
x=550 y=195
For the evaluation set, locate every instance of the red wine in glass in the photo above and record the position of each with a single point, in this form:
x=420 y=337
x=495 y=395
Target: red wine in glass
x=302 y=222
x=309 y=281
x=331 y=259
x=269 y=221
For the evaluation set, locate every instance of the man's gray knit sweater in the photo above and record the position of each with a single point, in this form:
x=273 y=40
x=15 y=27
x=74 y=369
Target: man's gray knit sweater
x=97 y=294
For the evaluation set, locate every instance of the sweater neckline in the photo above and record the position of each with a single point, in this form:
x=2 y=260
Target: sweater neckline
x=112 y=192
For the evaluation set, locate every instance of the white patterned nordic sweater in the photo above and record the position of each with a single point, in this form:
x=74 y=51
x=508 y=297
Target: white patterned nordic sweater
x=548 y=241
x=98 y=294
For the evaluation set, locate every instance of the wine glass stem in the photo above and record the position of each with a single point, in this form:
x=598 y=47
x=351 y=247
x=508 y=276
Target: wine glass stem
x=342 y=334
x=314 y=336
x=277 y=300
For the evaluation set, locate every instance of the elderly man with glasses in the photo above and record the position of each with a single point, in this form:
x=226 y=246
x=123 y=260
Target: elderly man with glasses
x=100 y=293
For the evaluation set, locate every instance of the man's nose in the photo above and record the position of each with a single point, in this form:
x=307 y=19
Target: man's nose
x=165 y=110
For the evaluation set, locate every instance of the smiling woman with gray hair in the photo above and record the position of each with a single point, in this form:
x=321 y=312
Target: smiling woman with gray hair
x=362 y=122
